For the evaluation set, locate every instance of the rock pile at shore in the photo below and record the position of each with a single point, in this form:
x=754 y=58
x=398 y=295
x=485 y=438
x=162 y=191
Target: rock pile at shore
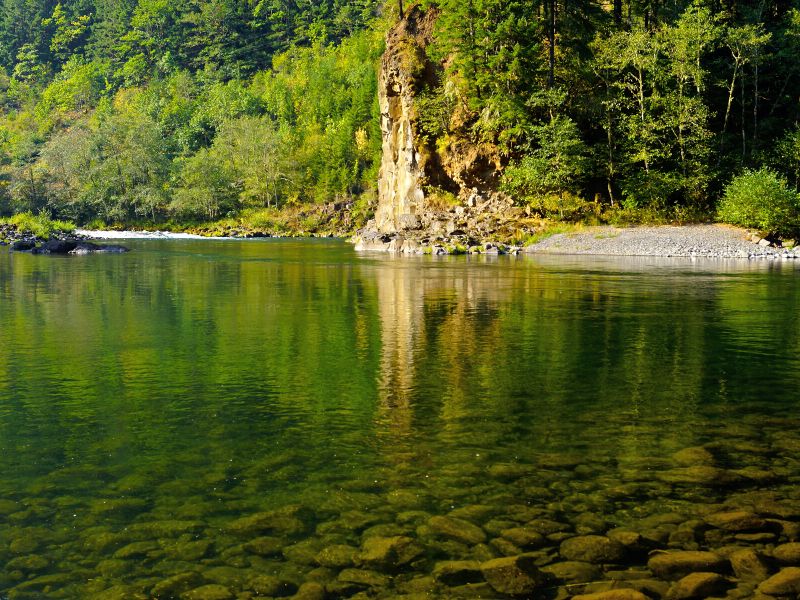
x=25 y=241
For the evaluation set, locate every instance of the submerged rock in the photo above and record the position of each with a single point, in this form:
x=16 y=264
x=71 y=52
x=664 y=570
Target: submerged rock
x=572 y=571
x=698 y=585
x=592 y=549
x=391 y=552
x=457 y=572
x=749 y=565
x=513 y=575
x=625 y=594
x=267 y=585
x=785 y=582
x=212 y=591
x=338 y=556
x=737 y=520
x=174 y=586
x=674 y=565
x=265 y=546
x=457 y=529
x=787 y=554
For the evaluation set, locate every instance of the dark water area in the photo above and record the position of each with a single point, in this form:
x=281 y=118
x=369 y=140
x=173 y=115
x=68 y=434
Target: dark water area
x=228 y=419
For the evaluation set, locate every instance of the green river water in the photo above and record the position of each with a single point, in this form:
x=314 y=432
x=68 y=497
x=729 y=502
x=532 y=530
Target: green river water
x=237 y=419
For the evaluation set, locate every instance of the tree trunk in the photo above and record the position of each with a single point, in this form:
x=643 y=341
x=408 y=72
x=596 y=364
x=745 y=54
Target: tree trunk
x=618 y=13
x=400 y=5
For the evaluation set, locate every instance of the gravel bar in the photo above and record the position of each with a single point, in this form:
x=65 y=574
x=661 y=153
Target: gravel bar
x=706 y=241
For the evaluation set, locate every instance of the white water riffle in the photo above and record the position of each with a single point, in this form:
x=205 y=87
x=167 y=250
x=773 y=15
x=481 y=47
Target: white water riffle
x=145 y=235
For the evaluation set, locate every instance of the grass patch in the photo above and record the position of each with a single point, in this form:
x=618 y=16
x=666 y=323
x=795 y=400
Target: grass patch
x=551 y=229
x=39 y=225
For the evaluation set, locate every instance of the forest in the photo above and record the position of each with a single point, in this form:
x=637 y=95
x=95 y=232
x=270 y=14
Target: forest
x=126 y=111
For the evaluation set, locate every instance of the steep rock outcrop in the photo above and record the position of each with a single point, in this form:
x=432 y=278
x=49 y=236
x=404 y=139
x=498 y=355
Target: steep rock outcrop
x=404 y=67
x=464 y=209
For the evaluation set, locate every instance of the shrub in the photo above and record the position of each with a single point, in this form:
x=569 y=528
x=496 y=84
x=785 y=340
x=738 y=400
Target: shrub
x=762 y=200
x=39 y=225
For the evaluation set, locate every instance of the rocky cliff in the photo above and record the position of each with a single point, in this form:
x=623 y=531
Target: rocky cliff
x=406 y=218
x=403 y=163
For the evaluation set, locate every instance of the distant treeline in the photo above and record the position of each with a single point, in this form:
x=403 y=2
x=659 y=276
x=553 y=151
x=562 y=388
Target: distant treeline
x=125 y=110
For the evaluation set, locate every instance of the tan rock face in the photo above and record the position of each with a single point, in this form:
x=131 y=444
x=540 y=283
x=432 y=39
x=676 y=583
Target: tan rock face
x=400 y=193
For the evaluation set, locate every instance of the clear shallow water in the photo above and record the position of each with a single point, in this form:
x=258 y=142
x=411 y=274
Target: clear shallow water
x=151 y=401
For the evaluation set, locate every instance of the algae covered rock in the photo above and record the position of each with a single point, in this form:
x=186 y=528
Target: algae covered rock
x=674 y=565
x=736 y=520
x=749 y=565
x=173 y=587
x=698 y=585
x=457 y=529
x=267 y=585
x=212 y=591
x=514 y=575
x=596 y=549
x=785 y=582
x=265 y=546
x=624 y=594
x=572 y=571
x=457 y=572
x=390 y=552
x=787 y=554
x=338 y=556
x=291 y=520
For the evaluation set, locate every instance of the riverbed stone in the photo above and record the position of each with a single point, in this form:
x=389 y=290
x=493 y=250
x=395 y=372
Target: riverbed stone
x=364 y=577
x=137 y=550
x=338 y=556
x=592 y=549
x=785 y=582
x=513 y=575
x=165 y=528
x=698 y=585
x=704 y=475
x=736 y=520
x=310 y=591
x=289 y=521
x=473 y=512
x=457 y=572
x=622 y=594
x=28 y=564
x=304 y=552
x=695 y=455
x=24 y=545
x=572 y=571
x=391 y=552
x=547 y=527
x=269 y=585
x=787 y=554
x=457 y=529
x=212 y=591
x=524 y=537
x=188 y=551
x=265 y=546
x=674 y=565
x=174 y=586
x=749 y=565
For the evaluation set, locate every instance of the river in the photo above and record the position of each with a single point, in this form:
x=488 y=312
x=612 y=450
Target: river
x=223 y=418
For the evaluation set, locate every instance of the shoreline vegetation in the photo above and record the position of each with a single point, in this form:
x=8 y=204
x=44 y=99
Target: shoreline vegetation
x=669 y=241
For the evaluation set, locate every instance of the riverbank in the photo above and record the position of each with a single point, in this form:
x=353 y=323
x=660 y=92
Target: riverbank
x=701 y=241
x=690 y=241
